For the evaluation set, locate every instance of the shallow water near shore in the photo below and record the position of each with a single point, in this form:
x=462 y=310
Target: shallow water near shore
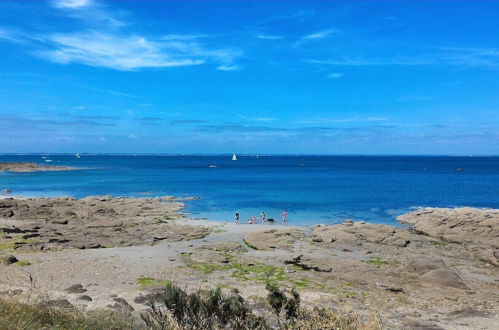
x=313 y=189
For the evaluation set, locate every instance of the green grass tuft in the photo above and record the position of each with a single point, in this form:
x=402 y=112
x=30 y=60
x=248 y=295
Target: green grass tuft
x=377 y=261
x=147 y=281
x=249 y=245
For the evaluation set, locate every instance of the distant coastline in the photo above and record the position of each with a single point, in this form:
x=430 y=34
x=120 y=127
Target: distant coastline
x=26 y=167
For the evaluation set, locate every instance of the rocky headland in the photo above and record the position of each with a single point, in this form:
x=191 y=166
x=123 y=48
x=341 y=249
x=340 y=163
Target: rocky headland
x=111 y=252
x=24 y=167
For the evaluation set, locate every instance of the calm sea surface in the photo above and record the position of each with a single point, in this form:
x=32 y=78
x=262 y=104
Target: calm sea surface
x=313 y=189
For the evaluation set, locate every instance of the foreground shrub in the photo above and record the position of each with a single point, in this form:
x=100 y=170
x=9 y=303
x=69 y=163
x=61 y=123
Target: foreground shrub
x=279 y=301
x=15 y=314
x=201 y=310
x=176 y=310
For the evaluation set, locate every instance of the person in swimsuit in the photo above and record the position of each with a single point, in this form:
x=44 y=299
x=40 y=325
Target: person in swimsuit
x=284 y=216
x=262 y=217
x=236 y=218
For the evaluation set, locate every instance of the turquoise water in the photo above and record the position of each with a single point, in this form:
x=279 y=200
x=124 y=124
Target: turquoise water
x=313 y=189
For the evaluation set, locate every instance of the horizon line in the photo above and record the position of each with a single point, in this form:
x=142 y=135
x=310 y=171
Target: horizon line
x=240 y=155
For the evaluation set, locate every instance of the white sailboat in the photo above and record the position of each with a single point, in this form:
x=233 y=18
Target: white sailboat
x=234 y=157
x=77 y=156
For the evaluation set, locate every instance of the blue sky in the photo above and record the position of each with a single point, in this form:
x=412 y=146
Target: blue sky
x=328 y=77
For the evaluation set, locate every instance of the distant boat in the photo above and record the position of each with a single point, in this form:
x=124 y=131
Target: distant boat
x=213 y=166
x=77 y=156
x=234 y=157
x=48 y=160
x=257 y=155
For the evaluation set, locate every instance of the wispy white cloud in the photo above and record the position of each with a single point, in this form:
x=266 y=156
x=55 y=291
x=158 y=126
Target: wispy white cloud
x=225 y=67
x=334 y=75
x=182 y=36
x=269 y=37
x=71 y=4
x=319 y=35
x=343 y=120
x=105 y=42
x=116 y=52
x=436 y=56
x=264 y=119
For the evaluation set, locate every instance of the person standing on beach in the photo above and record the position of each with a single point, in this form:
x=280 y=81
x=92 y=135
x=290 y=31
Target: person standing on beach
x=262 y=217
x=236 y=218
x=284 y=215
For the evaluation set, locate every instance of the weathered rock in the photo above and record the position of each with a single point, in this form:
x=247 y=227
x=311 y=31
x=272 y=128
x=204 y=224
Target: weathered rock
x=274 y=238
x=8 y=260
x=468 y=312
x=85 y=298
x=446 y=277
x=75 y=288
x=60 y=303
x=423 y=265
x=425 y=325
x=94 y=222
x=121 y=305
x=460 y=225
x=489 y=255
x=358 y=232
x=30 y=167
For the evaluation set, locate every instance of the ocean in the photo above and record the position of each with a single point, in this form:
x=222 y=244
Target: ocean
x=312 y=189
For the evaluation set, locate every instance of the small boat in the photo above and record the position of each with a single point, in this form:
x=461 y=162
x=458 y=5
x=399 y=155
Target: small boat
x=48 y=160
x=77 y=156
x=213 y=166
x=234 y=157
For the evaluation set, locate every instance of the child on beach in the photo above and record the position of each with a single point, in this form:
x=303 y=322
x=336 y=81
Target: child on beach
x=262 y=217
x=236 y=218
x=284 y=216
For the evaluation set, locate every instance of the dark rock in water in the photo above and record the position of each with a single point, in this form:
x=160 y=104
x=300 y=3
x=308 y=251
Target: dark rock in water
x=76 y=288
x=8 y=260
x=458 y=169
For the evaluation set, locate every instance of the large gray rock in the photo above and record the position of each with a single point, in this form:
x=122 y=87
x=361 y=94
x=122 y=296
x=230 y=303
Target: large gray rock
x=459 y=225
x=445 y=277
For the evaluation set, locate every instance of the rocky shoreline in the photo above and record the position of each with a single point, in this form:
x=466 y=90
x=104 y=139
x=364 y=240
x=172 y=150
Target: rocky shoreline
x=112 y=252
x=24 y=167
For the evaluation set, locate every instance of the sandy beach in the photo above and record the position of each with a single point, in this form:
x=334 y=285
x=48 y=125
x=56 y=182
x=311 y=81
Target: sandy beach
x=111 y=252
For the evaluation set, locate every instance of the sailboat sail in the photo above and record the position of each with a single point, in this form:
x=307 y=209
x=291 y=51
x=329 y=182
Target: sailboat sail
x=234 y=157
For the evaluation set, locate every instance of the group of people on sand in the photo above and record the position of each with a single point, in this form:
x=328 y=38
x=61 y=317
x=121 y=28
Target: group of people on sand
x=263 y=218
